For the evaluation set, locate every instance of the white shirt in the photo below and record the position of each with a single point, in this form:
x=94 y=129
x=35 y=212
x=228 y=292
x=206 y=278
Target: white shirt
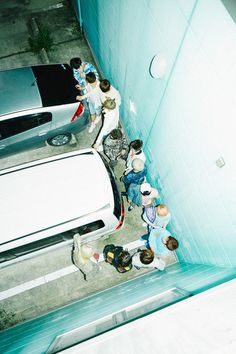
x=148 y=199
x=110 y=122
x=113 y=94
x=93 y=94
x=156 y=263
x=131 y=156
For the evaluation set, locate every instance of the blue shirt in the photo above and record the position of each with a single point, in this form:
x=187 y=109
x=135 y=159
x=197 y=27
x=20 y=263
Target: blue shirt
x=135 y=177
x=88 y=68
x=156 y=241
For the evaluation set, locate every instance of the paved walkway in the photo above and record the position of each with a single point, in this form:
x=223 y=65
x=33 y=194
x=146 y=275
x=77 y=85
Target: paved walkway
x=37 y=285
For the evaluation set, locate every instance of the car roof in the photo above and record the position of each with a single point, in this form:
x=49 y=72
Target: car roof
x=36 y=86
x=18 y=90
x=51 y=191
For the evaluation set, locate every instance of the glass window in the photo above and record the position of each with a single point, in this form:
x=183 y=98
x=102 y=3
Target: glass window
x=14 y=126
x=49 y=241
x=44 y=117
x=93 y=226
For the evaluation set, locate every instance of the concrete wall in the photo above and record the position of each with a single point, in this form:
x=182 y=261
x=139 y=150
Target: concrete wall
x=187 y=118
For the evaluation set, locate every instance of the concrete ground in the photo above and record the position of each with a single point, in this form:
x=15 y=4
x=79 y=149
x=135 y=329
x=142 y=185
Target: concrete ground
x=44 y=282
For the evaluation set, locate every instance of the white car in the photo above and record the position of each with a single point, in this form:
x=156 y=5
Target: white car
x=47 y=201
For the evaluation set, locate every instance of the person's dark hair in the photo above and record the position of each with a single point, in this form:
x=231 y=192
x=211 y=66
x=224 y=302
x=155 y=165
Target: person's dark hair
x=172 y=244
x=136 y=144
x=116 y=134
x=90 y=77
x=146 y=256
x=75 y=63
x=105 y=85
x=124 y=258
x=146 y=193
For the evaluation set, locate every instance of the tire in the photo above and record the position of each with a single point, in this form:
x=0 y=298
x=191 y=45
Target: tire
x=60 y=139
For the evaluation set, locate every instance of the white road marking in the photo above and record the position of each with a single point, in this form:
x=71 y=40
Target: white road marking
x=55 y=275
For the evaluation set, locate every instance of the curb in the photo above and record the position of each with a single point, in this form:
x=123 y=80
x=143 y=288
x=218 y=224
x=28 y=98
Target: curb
x=35 y=31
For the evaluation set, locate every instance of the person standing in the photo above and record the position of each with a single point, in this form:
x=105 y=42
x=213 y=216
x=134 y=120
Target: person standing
x=135 y=151
x=93 y=97
x=84 y=258
x=80 y=70
x=155 y=217
x=110 y=122
x=160 y=242
x=115 y=146
x=142 y=195
x=108 y=91
x=136 y=176
x=118 y=257
x=146 y=259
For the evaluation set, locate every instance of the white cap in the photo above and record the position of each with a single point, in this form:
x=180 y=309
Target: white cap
x=145 y=187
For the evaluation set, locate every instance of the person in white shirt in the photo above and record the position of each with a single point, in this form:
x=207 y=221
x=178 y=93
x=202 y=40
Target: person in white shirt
x=108 y=91
x=134 y=152
x=110 y=122
x=93 y=97
x=146 y=259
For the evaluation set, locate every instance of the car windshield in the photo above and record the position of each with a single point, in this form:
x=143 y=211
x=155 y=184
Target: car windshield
x=56 y=84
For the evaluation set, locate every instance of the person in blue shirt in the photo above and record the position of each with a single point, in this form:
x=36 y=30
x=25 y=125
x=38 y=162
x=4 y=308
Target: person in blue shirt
x=80 y=70
x=160 y=241
x=136 y=176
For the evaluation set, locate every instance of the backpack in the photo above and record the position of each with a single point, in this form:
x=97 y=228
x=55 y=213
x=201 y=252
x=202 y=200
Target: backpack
x=113 y=255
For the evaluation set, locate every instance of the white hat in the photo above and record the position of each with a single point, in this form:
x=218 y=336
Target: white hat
x=145 y=187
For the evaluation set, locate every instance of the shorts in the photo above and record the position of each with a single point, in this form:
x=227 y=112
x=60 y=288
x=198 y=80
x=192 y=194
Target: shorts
x=94 y=110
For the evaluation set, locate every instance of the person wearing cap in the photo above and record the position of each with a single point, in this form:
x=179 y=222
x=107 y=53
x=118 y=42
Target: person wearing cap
x=110 y=121
x=136 y=176
x=156 y=217
x=142 y=194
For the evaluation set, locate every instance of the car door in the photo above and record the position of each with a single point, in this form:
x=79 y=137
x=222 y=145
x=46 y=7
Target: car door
x=24 y=132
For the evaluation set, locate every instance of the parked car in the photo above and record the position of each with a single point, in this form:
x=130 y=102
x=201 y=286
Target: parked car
x=37 y=105
x=45 y=202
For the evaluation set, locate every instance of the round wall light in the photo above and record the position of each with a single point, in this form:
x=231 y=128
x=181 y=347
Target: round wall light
x=157 y=67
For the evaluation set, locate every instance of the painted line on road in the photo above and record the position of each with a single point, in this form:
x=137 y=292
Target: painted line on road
x=55 y=275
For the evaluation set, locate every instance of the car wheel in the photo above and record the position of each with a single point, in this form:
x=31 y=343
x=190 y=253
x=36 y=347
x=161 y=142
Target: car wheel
x=60 y=139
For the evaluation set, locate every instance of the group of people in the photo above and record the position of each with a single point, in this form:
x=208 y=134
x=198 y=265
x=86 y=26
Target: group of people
x=103 y=102
x=102 y=98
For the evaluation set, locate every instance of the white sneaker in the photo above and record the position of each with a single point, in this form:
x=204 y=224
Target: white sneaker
x=97 y=120
x=91 y=128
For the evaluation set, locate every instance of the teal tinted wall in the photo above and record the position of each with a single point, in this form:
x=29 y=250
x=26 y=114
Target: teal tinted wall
x=187 y=118
x=35 y=336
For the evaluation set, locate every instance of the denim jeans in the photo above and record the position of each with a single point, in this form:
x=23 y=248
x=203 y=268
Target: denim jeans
x=145 y=238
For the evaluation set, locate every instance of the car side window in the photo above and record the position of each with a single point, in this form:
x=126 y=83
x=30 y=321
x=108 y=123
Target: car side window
x=92 y=226
x=14 y=126
x=44 y=117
